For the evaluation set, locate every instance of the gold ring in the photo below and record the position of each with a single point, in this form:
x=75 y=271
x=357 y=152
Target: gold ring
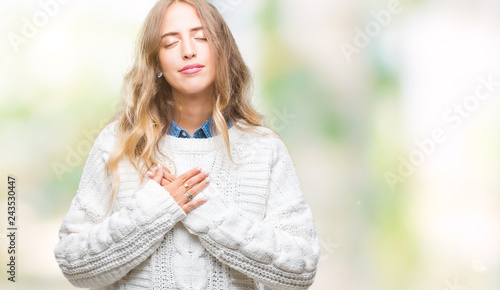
x=186 y=186
x=189 y=195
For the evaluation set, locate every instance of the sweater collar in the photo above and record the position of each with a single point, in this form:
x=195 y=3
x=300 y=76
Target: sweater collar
x=204 y=131
x=171 y=143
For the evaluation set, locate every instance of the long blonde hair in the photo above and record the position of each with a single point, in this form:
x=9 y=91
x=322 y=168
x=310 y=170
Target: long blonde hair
x=148 y=104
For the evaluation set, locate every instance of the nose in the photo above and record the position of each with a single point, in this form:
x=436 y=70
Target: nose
x=188 y=50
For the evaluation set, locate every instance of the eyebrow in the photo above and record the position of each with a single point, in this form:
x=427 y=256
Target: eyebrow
x=176 y=33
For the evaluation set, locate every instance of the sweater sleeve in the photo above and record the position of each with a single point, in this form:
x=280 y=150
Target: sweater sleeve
x=282 y=250
x=96 y=250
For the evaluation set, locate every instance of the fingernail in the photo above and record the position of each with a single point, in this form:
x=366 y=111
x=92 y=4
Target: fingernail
x=159 y=166
x=207 y=180
x=150 y=173
x=198 y=168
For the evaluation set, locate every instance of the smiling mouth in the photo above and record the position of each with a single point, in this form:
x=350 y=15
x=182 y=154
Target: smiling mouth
x=192 y=70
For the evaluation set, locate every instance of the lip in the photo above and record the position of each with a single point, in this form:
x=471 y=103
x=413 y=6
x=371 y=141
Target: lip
x=191 y=69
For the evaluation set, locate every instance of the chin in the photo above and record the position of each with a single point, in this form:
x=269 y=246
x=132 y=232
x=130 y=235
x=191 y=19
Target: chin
x=193 y=87
x=191 y=90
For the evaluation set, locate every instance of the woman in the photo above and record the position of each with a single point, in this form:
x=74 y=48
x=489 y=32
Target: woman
x=135 y=223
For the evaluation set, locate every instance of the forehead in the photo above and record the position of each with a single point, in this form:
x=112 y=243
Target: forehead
x=180 y=16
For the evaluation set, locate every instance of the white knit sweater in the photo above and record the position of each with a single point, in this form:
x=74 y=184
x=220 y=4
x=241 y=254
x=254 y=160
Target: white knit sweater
x=256 y=230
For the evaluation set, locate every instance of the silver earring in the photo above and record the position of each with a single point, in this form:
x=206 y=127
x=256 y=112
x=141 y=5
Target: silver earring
x=160 y=75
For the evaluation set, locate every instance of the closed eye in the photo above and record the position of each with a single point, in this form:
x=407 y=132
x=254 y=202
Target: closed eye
x=199 y=38
x=168 y=45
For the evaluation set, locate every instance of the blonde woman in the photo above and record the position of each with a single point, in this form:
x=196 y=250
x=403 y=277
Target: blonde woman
x=185 y=188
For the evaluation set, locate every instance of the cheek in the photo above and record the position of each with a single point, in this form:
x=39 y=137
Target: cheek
x=166 y=62
x=210 y=54
x=211 y=59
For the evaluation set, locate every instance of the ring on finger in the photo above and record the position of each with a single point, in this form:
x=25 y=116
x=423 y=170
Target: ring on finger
x=186 y=186
x=189 y=195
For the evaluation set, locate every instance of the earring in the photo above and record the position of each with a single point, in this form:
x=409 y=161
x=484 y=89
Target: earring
x=159 y=75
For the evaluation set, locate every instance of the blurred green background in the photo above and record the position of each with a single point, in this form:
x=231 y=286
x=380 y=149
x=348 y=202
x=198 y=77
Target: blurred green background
x=389 y=109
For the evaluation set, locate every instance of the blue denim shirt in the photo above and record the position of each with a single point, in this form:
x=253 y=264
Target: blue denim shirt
x=202 y=132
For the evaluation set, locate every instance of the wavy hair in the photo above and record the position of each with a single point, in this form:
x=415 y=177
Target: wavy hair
x=148 y=105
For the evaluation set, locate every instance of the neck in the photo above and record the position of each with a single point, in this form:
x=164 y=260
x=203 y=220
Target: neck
x=193 y=110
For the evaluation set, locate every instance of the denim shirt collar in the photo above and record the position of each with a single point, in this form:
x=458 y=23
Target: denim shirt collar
x=204 y=131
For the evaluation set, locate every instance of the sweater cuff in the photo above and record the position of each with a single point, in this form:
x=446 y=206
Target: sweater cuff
x=155 y=201
x=207 y=215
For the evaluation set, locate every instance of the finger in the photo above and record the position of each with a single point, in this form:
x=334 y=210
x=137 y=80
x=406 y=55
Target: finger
x=191 y=182
x=193 y=204
x=151 y=174
x=159 y=173
x=168 y=176
x=165 y=182
x=185 y=197
x=199 y=186
x=186 y=175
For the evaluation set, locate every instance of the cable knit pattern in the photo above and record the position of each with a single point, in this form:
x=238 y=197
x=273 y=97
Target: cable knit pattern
x=256 y=230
